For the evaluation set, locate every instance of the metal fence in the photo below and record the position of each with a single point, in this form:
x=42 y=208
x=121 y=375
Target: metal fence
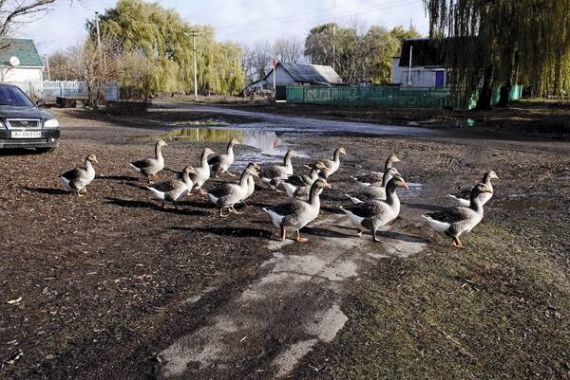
x=54 y=89
x=421 y=97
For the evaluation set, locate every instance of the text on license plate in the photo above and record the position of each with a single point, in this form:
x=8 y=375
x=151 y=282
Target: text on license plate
x=26 y=134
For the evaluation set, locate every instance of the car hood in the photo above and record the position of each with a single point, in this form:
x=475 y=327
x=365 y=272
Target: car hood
x=12 y=112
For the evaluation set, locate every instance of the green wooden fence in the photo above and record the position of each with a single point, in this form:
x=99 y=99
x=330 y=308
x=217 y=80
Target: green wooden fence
x=405 y=97
x=421 y=97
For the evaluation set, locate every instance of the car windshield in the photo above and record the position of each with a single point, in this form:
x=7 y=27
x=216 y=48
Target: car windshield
x=13 y=96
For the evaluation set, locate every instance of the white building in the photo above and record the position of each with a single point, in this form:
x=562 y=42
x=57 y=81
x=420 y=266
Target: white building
x=426 y=68
x=20 y=61
x=296 y=73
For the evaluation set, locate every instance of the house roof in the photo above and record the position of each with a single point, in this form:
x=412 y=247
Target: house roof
x=433 y=52
x=306 y=73
x=24 y=49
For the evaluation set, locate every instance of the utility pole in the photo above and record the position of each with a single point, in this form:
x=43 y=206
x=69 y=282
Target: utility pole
x=98 y=33
x=410 y=66
x=46 y=57
x=194 y=34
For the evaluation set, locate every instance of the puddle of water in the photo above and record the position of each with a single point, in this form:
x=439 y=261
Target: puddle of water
x=268 y=144
x=414 y=190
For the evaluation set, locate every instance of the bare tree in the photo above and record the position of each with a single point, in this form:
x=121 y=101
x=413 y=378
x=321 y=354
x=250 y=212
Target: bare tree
x=262 y=58
x=13 y=13
x=289 y=50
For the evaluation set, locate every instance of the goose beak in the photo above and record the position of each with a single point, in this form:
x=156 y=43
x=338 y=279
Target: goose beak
x=396 y=159
x=327 y=185
x=96 y=161
x=405 y=185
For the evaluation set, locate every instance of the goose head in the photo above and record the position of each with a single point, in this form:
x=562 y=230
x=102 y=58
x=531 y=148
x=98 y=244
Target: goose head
x=319 y=185
x=92 y=158
x=491 y=175
x=253 y=169
x=290 y=154
x=160 y=143
x=341 y=151
x=233 y=142
x=398 y=181
x=392 y=159
x=207 y=151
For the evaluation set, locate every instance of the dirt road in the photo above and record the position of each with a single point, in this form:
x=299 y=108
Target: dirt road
x=113 y=286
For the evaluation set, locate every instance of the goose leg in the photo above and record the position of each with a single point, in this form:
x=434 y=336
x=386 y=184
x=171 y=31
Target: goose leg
x=222 y=215
x=359 y=232
x=230 y=174
x=283 y=234
x=456 y=242
x=374 y=238
x=300 y=239
x=232 y=209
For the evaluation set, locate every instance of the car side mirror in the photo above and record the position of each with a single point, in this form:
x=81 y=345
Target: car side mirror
x=39 y=103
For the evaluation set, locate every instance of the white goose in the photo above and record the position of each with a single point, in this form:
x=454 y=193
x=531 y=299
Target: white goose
x=334 y=164
x=227 y=195
x=375 y=191
x=457 y=220
x=274 y=174
x=296 y=213
x=222 y=162
x=77 y=179
x=376 y=213
x=202 y=173
x=461 y=196
x=173 y=189
x=299 y=185
x=376 y=178
x=149 y=167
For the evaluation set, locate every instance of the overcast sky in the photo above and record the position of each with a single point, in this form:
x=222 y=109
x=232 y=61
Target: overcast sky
x=243 y=21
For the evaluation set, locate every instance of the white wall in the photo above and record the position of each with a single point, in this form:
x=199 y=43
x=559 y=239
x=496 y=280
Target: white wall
x=421 y=76
x=21 y=74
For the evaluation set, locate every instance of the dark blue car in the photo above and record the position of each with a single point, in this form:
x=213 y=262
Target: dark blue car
x=23 y=125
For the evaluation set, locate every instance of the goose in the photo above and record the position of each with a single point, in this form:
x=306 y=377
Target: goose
x=227 y=195
x=376 y=178
x=461 y=196
x=77 y=179
x=149 y=167
x=375 y=191
x=374 y=214
x=296 y=213
x=222 y=162
x=173 y=189
x=299 y=185
x=274 y=174
x=334 y=164
x=202 y=173
x=457 y=220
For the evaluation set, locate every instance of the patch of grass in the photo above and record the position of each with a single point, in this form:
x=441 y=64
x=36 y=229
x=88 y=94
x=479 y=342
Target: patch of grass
x=496 y=310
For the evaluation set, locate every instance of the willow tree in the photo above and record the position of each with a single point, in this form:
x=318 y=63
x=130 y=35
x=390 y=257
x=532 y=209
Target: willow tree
x=500 y=41
x=163 y=42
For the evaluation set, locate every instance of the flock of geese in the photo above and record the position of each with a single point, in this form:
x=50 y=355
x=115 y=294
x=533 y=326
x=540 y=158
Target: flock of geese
x=372 y=206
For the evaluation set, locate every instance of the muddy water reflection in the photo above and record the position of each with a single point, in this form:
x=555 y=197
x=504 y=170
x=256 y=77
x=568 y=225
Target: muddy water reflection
x=268 y=144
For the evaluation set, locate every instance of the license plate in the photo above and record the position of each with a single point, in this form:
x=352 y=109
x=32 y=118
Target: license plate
x=26 y=134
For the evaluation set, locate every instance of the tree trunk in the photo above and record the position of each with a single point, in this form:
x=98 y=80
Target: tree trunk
x=504 y=95
x=486 y=94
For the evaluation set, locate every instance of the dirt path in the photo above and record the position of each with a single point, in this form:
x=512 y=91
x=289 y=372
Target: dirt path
x=296 y=303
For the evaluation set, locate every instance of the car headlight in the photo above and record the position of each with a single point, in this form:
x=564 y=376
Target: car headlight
x=51 y=123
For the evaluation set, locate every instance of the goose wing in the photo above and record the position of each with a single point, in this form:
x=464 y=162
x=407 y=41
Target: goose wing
x=73 y=174
x=450 y=215
x=288 y=208
x=373 y=177
x=368 y=209
x=214 y=160
x=296 y=180
x=143 y=164
x=167 y=186
x=273 y=171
